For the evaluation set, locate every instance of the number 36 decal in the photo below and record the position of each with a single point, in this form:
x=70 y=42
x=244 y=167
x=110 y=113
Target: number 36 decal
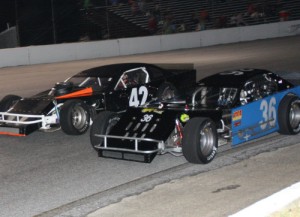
x=268 y=113
x=134 y=99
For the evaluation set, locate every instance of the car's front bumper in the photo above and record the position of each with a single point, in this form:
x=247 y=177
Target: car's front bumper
x=134 y=149
x=23 y=124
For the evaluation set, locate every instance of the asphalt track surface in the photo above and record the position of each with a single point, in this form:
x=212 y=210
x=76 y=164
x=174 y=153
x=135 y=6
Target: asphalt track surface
x=52 y=174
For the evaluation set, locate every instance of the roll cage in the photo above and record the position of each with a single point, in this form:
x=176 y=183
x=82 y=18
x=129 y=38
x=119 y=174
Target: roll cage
x=133 y=77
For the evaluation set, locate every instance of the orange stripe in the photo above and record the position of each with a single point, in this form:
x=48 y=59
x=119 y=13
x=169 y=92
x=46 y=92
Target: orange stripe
x=11 y=134
x=85 y=92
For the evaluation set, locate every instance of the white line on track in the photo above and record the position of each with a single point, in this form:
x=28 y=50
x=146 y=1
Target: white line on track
x=271 y=204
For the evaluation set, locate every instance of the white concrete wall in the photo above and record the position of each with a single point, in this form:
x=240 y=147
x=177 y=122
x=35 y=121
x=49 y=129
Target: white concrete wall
x=127 y=46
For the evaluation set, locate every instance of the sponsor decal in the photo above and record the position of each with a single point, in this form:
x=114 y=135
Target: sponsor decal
x=184 y=118
x=213 y=153
x=236 y=124
x=152 y=110
x=147 y=118
x=294 y=28
x=237 y=115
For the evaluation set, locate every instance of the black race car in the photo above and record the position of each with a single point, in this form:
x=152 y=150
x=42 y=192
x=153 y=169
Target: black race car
x=230 y=107
x=72 y=104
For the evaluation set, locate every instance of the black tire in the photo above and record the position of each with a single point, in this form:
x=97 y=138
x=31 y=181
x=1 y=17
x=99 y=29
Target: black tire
x=200 y=140
x=102 y=124
x=289 y=115
x=74 y=117
x=8 y=101
x=93 y=113
x=166 y=91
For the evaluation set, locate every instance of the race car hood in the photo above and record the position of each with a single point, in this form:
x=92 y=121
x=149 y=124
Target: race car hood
x=33 y=106
x=149 y=123
x=153 y=124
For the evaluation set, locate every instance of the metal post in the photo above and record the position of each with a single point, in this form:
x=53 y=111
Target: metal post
x=17 y=22
x=53 y=22
x=107 y=25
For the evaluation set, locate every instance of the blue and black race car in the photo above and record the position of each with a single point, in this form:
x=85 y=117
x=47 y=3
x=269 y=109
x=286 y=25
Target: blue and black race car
x=230 y=107
x=72 y=104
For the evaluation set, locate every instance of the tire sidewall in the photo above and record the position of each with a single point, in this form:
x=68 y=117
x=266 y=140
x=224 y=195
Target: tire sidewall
x=284 y=115
x=100 y=126
x=66 y=115
x=191 y=141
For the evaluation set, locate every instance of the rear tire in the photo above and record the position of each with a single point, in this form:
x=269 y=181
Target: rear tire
x=289 y=115
x=74 y=117
x=102 y=124
x=8 y=101
x=200 y=140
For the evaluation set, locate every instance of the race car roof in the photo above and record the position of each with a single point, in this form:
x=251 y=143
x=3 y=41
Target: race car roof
x=113 y=70
x=234 y=78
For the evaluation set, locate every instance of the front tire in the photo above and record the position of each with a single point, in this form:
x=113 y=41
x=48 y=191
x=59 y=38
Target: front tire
x=289 y=115
x=102 y=124
x=74 y=117
x=200 y=140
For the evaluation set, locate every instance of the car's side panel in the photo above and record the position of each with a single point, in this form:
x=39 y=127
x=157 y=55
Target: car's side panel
x=138 y=94
x=258 y=118
x=134 y=96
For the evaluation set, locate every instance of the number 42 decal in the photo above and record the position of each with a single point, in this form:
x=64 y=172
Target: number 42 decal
x=134 y=96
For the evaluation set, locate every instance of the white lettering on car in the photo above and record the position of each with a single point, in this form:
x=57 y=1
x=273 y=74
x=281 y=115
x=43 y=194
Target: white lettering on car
x=268 y=113
x=134 y=96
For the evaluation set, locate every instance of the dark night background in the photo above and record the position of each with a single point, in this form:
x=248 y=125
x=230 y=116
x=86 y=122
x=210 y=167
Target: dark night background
x=7 y=13
x=35 y=21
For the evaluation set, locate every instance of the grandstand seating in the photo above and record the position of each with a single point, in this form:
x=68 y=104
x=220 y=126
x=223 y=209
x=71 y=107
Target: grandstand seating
x=98 y=21
x=125 y=24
